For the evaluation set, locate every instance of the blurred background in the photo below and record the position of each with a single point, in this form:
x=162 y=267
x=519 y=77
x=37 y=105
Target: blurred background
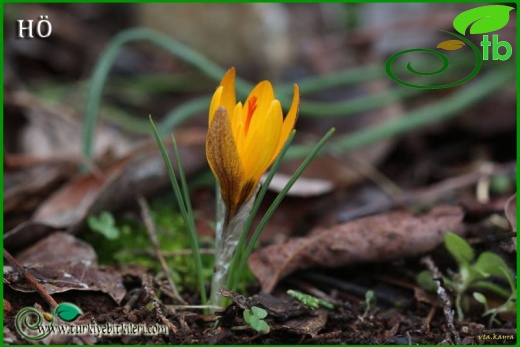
x=336 y=52
x=79 y=152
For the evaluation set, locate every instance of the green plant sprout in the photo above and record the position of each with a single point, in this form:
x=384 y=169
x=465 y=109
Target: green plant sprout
x=472 y=274
x=239 y=257
x=254 y=317
x=370 y=301
x=133 y=245
x=104 y=224
x=309 y=300
x=508 y=306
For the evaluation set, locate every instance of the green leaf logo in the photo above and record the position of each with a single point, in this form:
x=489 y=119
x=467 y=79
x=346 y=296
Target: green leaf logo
x=483 y=19
x=68 y=312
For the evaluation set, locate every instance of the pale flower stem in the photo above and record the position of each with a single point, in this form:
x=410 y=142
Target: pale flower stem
x=220 y=217
x=227 y=238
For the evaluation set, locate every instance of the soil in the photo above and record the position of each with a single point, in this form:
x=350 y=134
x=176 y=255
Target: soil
x=396 y=318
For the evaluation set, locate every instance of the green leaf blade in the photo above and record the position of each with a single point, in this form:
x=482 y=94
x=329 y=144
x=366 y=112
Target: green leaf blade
x=425 y=280
x=458 y=248
x=247 y=316
x=489 y=264
x=259 y=312
x=262 y=327
x=104 y=224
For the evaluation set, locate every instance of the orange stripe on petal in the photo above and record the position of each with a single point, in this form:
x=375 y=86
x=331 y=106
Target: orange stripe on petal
x=251 y=107
x=264 y=94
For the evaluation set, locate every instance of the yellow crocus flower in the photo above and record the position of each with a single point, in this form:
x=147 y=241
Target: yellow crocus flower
x=244 y=140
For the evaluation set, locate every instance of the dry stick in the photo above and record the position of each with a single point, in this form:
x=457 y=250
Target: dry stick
x=370 y=172
x=145 y=212
x=429 y=317
x=147 y=285
x=188 y=252
x=194 y=307
x=171 y=254
x=446 y=303
x=409 y=338
x=430 y=193
x=30 y=278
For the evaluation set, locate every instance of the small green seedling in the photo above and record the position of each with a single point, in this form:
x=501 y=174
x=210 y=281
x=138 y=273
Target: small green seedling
x=105 y=224
x=472 y=275
x=254 y=317
x=370 y=301
x=309 y=300
x=508 y=306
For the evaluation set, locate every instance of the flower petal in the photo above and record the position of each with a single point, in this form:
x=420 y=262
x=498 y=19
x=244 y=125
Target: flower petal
x=262 y=141
x=237 y=123
x=228 y=94
x=224 y=161
x=260 y=98
x=215 y=103
x=290 y=120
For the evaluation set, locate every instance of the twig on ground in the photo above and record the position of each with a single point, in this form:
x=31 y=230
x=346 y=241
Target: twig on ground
x=484 y=183
x=195 y=307
x=446 y=303
x=30 y=278
x=145 y=212
x=409 y=338
x=429 y=194
x=428 y=319
x=170 y=254
x=369 y=171
x=148 y=287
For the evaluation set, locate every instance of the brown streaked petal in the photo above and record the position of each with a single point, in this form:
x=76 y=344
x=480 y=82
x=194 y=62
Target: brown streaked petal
x=224 y=161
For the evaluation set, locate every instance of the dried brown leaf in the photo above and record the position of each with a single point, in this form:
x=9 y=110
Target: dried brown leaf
x=142 y=173
x=378 y=238
x=61 y=263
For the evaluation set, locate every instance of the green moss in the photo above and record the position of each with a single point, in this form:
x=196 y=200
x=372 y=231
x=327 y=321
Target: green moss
x=129 y=243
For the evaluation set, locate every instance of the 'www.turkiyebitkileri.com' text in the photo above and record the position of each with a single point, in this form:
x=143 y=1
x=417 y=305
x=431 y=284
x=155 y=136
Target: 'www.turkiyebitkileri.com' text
x=108 y=329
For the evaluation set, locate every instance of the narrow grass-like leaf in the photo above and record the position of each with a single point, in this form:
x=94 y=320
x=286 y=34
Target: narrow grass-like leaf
x=183 y=202
x=212 y=70
x=490 y=287
x=184 y=184
x=182 y=112
x=279 y=199
x=108 y=57
x=429 y=114
x=233 y=279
